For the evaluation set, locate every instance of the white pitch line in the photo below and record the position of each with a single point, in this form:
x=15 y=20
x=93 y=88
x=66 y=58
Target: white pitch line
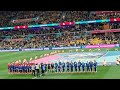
x=103 y=55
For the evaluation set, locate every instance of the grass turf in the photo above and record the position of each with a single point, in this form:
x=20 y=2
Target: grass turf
x=108 y=72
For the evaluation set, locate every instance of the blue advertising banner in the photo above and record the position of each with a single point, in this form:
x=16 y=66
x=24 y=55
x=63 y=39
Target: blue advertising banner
x=60 y=48
x=73 y=47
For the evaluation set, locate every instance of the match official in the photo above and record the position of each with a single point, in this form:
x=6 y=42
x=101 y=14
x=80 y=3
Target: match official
x=43 y=69
x=37 y=69
x=56 y=67
x=33 y=69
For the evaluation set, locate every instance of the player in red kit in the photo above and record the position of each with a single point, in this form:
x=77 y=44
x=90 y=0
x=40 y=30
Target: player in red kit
x=8 y=67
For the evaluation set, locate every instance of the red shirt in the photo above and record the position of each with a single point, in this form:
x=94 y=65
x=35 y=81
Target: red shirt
x=8 y=66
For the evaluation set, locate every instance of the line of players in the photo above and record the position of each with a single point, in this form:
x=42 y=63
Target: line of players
x=73 y=66
x=53 y=67
x=25 y=66
x=16 y=68
x=62 y=67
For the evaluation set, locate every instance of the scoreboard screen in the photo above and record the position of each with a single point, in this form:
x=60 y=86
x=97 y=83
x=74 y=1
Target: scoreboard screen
x=66 y=23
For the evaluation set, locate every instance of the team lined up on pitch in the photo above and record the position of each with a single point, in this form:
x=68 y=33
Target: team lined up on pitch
x=26 y=67
x=41 y=69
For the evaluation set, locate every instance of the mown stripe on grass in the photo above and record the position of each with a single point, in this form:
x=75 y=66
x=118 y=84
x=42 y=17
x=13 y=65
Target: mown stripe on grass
x=113 y=73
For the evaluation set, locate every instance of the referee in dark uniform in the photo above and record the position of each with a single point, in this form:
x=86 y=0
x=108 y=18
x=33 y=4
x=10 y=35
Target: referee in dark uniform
x=43 y=69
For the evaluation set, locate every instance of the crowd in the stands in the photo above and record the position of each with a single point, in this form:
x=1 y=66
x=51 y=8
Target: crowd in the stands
x=56 y=36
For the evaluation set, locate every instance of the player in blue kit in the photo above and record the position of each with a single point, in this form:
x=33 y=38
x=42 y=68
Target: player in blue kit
x=20 y=68
x=63 y=67
x=45 y=68
x=56 y=67
x=83 y=66
x=79 y=66
x=17 y=68
x=24 y=68
x=52 y=67
x=29 y=68
x=88 y=66
x=59 y=68
x=95 y=66
x=11 y=68
x=91 y=65
x=49 y=67
x=67 y=64
x=75 y=66
x=71 y=66
x=60 y=63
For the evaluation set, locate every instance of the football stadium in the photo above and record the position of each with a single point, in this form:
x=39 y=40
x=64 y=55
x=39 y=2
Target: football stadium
x=60 y=45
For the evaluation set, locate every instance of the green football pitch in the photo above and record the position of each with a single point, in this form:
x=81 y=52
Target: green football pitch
x=104 y=72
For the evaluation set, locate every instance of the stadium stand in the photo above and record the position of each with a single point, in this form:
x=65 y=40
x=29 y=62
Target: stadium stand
x=56 y=36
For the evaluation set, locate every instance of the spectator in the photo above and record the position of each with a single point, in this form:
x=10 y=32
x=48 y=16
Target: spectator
x=56 y=37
